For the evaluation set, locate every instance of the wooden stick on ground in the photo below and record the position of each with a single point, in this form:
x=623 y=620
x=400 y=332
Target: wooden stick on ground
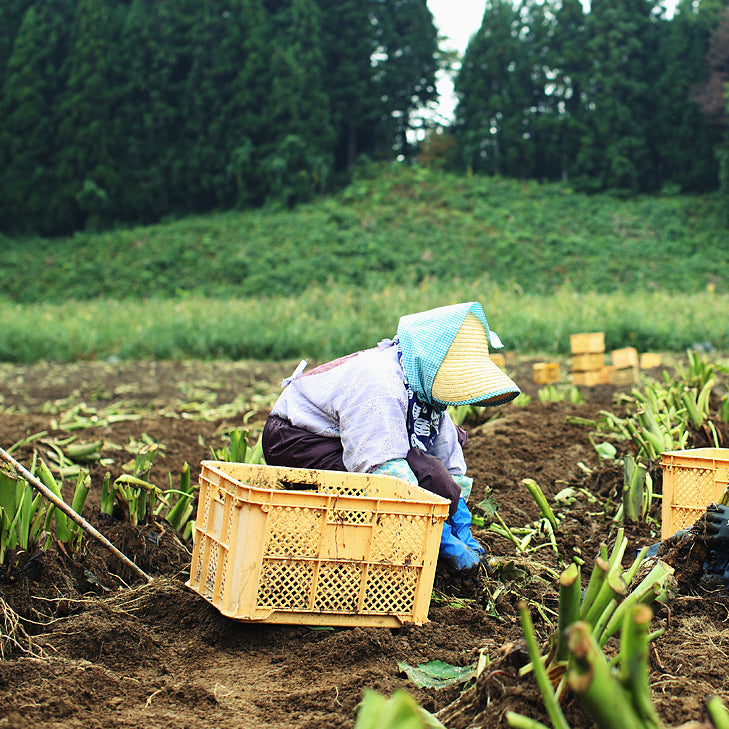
x=66 y=509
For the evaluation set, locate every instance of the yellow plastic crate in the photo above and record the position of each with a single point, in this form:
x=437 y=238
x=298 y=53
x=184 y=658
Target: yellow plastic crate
x=586 y=342
x=591 y=378
x=692 y=479
x=545 y=373
x=649 y=360
x=624 y=358
x=588 y=362
x=289 y=545
x=623 y=376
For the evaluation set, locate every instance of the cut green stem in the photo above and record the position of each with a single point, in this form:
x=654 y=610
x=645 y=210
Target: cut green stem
x=589 y=677
x=540 y=674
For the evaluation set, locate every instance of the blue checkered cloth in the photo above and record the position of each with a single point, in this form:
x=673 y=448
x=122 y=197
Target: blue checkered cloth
x=425 y=339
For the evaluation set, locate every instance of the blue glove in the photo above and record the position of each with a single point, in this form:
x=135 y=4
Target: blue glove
x=717 y=525
x=717 y=531
x=459 y=555
x=461 y=523
x=719 y=570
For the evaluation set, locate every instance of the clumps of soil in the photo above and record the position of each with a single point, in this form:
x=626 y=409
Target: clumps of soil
x=692 y=554
x=86 y=643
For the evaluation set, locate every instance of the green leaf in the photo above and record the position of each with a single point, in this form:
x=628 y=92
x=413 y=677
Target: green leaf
x=606 y=450
x=489 y=507
x=436 y=674
x=400 y=711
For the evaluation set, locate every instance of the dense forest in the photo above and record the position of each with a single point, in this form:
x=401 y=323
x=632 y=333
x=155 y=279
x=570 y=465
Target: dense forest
x=134 y=111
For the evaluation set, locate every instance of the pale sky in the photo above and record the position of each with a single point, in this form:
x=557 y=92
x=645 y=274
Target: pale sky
x=459 y=20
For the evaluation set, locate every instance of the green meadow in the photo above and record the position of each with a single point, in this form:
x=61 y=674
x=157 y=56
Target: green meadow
x=335 y=275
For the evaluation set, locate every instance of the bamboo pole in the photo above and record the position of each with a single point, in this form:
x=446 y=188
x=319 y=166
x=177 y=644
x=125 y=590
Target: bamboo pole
x=66 y=509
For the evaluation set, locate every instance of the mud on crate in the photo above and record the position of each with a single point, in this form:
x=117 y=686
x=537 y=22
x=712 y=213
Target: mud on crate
x=285 y=545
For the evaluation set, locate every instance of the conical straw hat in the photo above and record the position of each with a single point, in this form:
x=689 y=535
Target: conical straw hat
x=467 y=373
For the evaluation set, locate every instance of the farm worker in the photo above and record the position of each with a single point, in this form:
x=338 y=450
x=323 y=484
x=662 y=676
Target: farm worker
x=383 y=411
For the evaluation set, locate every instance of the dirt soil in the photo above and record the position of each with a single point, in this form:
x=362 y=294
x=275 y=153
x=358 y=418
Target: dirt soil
x=85 y=642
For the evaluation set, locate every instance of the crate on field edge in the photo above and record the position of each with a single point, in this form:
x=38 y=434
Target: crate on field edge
x=587 y=342
x=312 y=547
x=623 y=375
x=692 y=479
x=624 y=358
x=591 y=378
x=650 y=360
x=589 y=362
x=588 y=359
x=545 y=373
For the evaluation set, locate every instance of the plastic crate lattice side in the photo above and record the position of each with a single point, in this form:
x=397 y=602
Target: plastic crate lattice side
x=285 y=585
x=293 y=531
x=399 y=539
x=338 y=587
x=390 y=589
x=690 y=486
x=216 y=548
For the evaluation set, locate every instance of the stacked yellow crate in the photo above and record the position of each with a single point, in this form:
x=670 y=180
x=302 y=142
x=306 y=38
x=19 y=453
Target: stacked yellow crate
x=624 y=370
x=588 y=359
x=545 y=373
x=650 y=360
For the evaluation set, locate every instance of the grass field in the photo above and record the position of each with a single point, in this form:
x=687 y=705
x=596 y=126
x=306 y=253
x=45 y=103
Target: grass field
x=336 y=275
x=326 y=322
